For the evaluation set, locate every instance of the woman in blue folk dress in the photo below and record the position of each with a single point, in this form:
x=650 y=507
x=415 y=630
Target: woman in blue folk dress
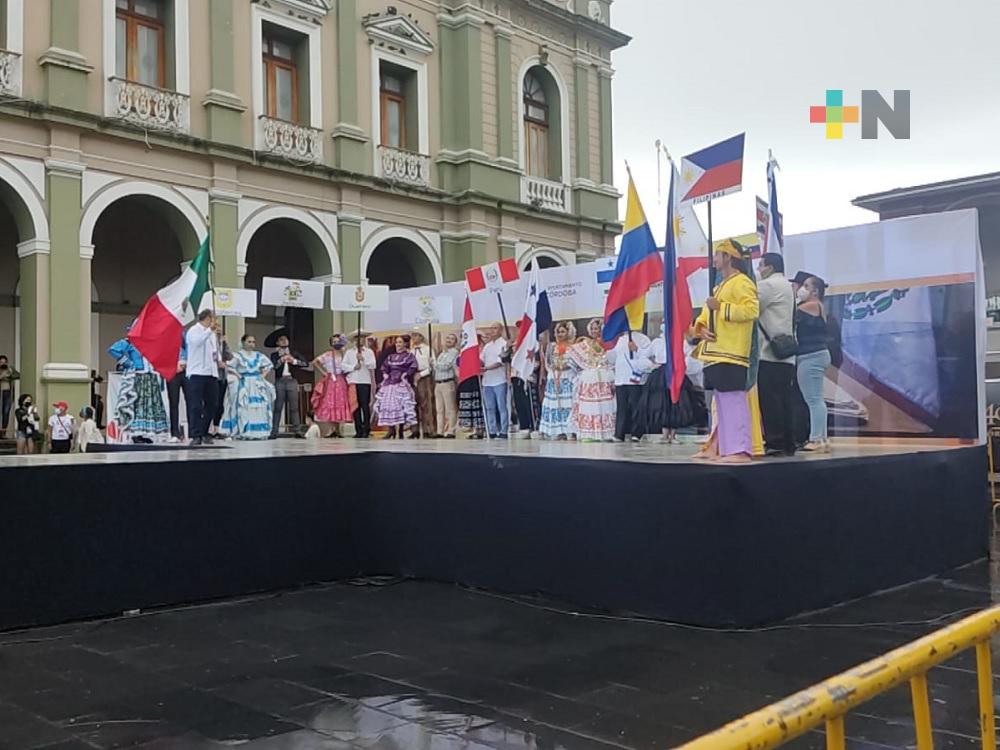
x=254 y=398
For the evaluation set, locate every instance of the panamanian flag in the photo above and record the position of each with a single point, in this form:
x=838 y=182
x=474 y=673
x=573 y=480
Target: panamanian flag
x=536 y=320
x=774 y=235
x=713 y=172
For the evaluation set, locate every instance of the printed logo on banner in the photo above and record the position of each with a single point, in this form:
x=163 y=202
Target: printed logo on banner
x=493 y=281
x=223 y=300
x=873 y=110
x=359 y=295
x=293 y=292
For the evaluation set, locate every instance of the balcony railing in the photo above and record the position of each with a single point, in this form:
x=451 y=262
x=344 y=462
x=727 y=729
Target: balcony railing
x=295 y=142
x=542 y=193
x=148 y=106
x=404 y=166
x=10 y=73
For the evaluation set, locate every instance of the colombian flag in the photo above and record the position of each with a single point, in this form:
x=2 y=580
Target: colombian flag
x=639 y=267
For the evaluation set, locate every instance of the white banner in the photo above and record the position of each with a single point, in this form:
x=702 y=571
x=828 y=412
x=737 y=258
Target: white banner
x=359 y=297
x=231 y=303
x=427 y=309
x=292 y=293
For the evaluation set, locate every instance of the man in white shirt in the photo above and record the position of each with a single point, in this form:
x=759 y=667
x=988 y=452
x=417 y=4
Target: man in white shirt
x=776 y=376
x=632 y=357
x=494 y=360
x=423 y=385
x=359 y=364
x=203 y=377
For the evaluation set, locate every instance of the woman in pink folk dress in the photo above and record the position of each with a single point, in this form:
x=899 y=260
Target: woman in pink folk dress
x=594 y=400
x=330 y=400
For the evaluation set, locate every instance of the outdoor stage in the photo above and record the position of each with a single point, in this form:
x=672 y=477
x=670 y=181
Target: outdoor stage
x=637 y=528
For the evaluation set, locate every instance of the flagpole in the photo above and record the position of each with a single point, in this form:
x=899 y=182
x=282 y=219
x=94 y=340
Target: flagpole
x=711 y=271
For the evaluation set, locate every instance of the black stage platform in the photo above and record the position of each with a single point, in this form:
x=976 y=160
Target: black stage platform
x=622 y=528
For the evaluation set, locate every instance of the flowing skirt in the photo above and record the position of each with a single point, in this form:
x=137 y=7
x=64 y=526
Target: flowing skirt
x=150 y=418
x=254 y=407
x=657 y=412
x=229 y=424
x=594 y=408
x=470 y=406
x=557 y=407
x=331 y=402
x=395 y=404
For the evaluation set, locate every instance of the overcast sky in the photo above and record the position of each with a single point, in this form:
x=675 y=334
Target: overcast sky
x=699 y=71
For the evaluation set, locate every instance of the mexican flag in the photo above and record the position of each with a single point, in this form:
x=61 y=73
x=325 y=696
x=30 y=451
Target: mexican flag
x=157 y=331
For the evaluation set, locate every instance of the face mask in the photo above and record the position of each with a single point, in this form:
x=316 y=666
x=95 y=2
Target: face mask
x=27 y=404
x=803 y=294
x=338 y=346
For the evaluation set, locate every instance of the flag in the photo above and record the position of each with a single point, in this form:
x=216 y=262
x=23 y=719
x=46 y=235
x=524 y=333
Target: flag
x=774 y=237
x=492 y=276
x=157 y=331
x=469 y=365
x=677 y=308
x=638 y=268
x=761 y=222
x=713 y=172
x=536 y=320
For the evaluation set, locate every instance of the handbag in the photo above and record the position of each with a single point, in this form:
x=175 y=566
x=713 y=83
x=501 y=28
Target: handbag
x=784 y=345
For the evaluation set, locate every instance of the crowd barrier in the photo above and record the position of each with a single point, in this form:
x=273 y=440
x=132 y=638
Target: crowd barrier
x=830 y=701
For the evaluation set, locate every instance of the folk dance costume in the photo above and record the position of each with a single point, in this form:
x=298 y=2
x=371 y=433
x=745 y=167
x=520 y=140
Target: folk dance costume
x=470 y=407
x=330 y=400
x=141 y=412
x=254 y=396
x=658 y=412
x=395 y=403
x=594 y=399
x=560 y=384
x=631 y=369
x=728 y=358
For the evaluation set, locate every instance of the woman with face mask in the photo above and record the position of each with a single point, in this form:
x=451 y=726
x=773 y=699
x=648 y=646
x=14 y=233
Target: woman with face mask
x=813 y=359
x=26 y=425
x=252 y=410
x=330 y=398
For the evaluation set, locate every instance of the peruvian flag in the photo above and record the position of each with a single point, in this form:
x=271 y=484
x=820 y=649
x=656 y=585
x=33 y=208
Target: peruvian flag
x=469 y=365
x=536 y=320
x=492 y=276
x=157 y=331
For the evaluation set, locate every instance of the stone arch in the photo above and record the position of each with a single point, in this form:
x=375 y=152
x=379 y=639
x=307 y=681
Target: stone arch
x=318 y=240
x=25 y=204
x=547 y=258
x=190 y=226
x=417 y=239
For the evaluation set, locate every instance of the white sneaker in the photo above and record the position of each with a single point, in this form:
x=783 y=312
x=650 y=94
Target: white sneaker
x=174 y=440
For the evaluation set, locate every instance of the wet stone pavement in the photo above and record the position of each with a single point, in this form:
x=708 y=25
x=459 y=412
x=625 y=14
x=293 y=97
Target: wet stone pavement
x=436 y=667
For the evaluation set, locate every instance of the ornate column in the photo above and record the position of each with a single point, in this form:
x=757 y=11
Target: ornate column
x=33 y=268
x=65 y=68
x=223 y=222
x=65 y=375
x=223 y=108
x=505 y=96
x=581 y=89
x=607 y=177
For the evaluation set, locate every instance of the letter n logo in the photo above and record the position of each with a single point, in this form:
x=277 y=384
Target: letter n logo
x=875 y=109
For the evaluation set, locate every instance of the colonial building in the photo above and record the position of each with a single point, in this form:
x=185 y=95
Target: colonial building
x=326 y=139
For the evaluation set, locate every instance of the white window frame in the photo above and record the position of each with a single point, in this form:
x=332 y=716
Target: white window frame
x=423 y=107
x=566 y=178
x=15 y=38
x=182 y=49
x=312 y=34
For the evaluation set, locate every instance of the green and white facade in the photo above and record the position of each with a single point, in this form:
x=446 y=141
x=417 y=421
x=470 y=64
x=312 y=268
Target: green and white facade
x=107 y=185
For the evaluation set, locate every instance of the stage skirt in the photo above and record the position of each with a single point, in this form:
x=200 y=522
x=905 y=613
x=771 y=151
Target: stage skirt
x=330 y=400
x=470 y=406
x=150 y=418
x=594 y=405
x=254 y=407
x=557 y=407
x=229 y=424
x=657 y=412
x=395 y=404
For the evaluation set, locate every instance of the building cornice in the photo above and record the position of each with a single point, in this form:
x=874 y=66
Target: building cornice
x=65 y=58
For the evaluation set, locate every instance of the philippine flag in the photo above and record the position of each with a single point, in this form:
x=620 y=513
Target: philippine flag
x=536 y=320
x=677 y=307
x=713 y=172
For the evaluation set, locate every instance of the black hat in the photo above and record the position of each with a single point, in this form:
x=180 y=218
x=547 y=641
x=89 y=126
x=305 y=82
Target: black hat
x=801 y=276
x=272 y=338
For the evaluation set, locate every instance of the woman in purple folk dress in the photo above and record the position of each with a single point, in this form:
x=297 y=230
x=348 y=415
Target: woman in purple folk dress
x=395 y=403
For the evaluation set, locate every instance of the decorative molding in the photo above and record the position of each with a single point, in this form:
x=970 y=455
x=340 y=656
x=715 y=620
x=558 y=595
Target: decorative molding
x=33 y=247
x=402 y=33
x=350 y=219
x=223 y=99
x=296 y=142
x=314 y=7
x=605 y=72
x=407 y=167
x=148 y=106
x=220 y=195
x=470 y=234
x=64 y=58
x=10 y=73
x=65 y=168
x=87 y=252
x=460 y=20
x=506 y=32
x=564 y=116
x=65 y=372
x=350 y=132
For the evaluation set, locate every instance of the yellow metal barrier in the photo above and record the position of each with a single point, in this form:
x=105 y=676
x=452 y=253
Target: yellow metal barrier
x=828 y=702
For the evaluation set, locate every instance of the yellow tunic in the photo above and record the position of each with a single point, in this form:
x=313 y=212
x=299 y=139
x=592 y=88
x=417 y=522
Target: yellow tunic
x=734 y=320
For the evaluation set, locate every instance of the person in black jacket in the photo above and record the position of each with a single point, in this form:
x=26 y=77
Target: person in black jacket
x=287 y=363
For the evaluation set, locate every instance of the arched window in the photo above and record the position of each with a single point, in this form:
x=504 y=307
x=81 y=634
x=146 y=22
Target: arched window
x=536 y=126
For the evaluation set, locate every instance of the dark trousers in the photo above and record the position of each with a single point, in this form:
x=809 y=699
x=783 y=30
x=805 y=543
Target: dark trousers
x=363 y=414
x=221 y=403
x=286 y=392
x=627 y=398
x=522 y=404
x=175 y=386
x=61 y=446
x=6 y=402
x=202 y=394
x=776 y=390
x=800 y=416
